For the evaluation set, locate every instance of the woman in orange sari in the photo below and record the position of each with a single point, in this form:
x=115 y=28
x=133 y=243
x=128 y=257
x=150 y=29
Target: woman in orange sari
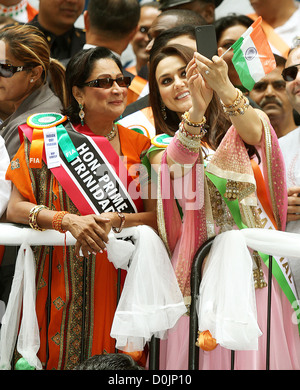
x=48 y=197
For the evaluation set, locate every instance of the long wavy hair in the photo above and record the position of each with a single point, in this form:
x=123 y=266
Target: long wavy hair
x=30 y=45
x=217 y=122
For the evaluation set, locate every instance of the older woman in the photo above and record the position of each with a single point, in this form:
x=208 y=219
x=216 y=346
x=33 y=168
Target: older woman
x=25 y=65
x=89 y=191
x=201 y=197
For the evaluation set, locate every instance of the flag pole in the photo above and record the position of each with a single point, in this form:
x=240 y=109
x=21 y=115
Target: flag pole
x=226 y=51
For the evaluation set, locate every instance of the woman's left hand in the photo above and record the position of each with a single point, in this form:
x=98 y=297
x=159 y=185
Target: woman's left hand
x=215 y=73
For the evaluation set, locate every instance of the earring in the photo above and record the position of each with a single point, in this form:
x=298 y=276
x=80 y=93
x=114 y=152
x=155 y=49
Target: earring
x=81 y=114
x=31 y=80
x=163 y=111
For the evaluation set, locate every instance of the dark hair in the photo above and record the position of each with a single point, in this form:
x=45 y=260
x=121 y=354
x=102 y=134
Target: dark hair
x=114 y=18
x=110 y=361
x=30 y=45
x=79 y=70
x=231 y=20
x=165 y=36
x=217 y=122
x=280 y=61
x=185 y=16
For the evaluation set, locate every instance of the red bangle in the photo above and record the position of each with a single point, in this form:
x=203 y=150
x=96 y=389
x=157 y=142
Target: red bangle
x=57 y=220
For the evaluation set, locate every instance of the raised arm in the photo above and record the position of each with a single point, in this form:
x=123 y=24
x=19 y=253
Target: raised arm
x=244 y=117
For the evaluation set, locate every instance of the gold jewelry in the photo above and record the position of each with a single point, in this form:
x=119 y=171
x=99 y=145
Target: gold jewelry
x=191 y=143
x=236 y=108
x=237 y=100
x=190 y=135
x=33 y=213
x=186 y=119
x=120 y=228
x=111 y=135
x=81 y=114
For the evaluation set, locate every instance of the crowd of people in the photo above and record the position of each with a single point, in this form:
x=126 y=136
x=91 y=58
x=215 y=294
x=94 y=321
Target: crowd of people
x=125 y=125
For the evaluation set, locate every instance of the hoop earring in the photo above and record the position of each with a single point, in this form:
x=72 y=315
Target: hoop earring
x=81 y=114
x=163 y=111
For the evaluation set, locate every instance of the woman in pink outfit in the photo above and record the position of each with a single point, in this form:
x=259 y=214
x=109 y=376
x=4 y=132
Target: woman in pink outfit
x=222 y=170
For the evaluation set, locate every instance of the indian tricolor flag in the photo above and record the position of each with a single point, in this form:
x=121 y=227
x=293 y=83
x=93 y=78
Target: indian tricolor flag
x=252 y=55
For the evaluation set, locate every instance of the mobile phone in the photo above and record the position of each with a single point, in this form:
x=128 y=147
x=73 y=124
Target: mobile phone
x=206 y=40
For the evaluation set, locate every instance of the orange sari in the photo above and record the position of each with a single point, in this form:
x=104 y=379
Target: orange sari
x=65 y=328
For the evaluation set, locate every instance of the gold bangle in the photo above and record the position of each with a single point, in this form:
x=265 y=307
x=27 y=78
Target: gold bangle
x=239 y=110
x=186 y=119
x=236 y=102
x=120 y=228
x=238 y=107
x=33 y=213
x=190 y=143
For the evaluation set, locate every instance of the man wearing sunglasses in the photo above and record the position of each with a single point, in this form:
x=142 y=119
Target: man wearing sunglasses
x=290 y=146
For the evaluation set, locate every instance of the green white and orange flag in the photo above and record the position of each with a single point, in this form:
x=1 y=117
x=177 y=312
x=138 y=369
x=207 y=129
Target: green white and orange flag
x=252 y=55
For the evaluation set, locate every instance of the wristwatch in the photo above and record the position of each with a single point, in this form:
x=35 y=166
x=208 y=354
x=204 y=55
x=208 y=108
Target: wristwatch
x=120 y=228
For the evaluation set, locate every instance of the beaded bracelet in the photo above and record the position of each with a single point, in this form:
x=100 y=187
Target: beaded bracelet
x=238 y=111
x=190 y=135
x=32 y=219
x=234 y=109
x=237 y=100
x=190 y=143
x=57 y=220
x=186 y=119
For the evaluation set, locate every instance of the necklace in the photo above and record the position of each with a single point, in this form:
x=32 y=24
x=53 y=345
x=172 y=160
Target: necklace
x=111 y=135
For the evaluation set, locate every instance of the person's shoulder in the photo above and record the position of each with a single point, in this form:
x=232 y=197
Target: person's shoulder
x=79 y=33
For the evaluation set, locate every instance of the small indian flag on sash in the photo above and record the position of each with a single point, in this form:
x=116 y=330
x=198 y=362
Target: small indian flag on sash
x=252 y=55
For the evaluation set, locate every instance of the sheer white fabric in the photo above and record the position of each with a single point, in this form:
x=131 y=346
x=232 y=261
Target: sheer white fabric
x=226 y=303
x=150 y=304
x=23 y=293
x=151 y=301
x=5 y=185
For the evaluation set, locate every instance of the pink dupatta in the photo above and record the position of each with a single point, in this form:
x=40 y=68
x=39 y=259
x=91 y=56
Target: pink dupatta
x=183 y=235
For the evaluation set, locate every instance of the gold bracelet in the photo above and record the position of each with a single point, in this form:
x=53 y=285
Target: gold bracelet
x=239 y=110
x=120 y=228
x=190 y=143
x=236 y=102
x=236 y=108
x=33 y=213
x=186 y=119
x=189 y=135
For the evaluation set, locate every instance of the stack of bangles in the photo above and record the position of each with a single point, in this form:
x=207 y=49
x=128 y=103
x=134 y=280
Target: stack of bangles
x=33 y=213
x=56 y=221
x=187 y=139
x=184 y=148
x=238 y=107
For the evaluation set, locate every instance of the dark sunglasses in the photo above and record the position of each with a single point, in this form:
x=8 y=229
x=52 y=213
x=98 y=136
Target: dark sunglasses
x=107 y=82
x=290 y=73
x=7 y=70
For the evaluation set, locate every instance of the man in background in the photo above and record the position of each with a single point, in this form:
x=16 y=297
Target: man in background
x=56 y=20
x=205 y=8
x=270 y=94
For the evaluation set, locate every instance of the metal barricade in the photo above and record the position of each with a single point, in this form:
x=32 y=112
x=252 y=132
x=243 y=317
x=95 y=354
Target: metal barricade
x=15 y=235
x=195 y=284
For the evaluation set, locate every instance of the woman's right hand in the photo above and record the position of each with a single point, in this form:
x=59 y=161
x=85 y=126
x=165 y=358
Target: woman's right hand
x=91 y=232
x=201 y=93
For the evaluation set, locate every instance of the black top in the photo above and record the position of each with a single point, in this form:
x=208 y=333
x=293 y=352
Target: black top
x=62 y=46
